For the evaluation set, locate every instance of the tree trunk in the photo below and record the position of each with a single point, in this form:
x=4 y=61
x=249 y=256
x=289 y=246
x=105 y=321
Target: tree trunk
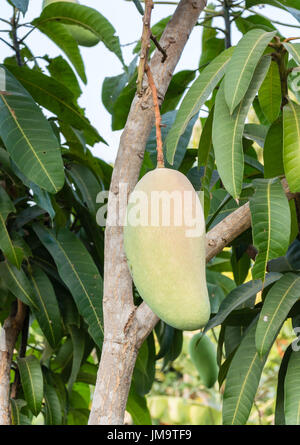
x=126 y=326
x=122 y=320
x=8 y=337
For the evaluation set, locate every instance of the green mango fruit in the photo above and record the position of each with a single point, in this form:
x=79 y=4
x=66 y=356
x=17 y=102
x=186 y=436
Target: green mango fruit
x=83 y=36
x=164 y=241
x=203 y=354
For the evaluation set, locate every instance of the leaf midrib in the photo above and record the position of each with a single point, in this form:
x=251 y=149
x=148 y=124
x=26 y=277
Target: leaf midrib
x=275 y=313
x=44 y=307
x=28 y=142
x=81 y=284
x=242 y=72
x=243 y=387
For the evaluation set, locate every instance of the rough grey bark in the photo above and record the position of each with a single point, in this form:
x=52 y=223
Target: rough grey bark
x=8 y=337
x=124 y=330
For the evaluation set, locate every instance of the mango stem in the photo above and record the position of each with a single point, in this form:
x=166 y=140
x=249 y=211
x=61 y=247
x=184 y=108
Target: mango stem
x=159 y=144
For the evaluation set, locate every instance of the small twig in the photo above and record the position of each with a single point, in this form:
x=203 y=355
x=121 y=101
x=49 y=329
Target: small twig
x=159 y=145
x=226 y=10
x=8 y=44
x=215 y=27
x=156 y=42
x=15 y=21
x=291 y=38
x=26 y=35
x=129 y=44
x=145 y=44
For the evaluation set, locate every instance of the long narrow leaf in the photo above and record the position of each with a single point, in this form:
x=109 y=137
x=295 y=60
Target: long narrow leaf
x=32 y=382
x=78 y=351
x=269 y=94
x=294 y=50
x=18 y=283
x=206 y=158
x=271 y=221
x=80 y=274
x=57 y=98
x=195 y=98
x=238 y=296
x=243 y=64
x=242 y=380
x=12 y=253
x=53 y=414
x=85 y=17
x=291 y=145
x=28 y=136
x=279 y=408
x=63 y=38
x=48 y=314
x=292 y=390
x=228 y=132
x=278 y=302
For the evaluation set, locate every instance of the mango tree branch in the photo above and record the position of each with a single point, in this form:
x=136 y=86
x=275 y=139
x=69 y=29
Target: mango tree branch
x=145 y=44
x=121 y=340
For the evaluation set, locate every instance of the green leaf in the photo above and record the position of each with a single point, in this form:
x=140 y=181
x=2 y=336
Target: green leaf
x=292 y=6
x=78 y=351
x=63 y=38
x=167 y=121
x=53 y=414
x=291 y=145
x=122 y=104
x=294 y=51
x=245 y=24
x=277 y=304
x=198 y=93
x=48 y=314
x=86 y=184
x=269 y=94
x=85 y=17
x=28 y=136
x=61 y=71
x=138 y=6
x=292 y=390
x=279 y=408
x=13 y=253
x=256 y=133
x=18 y=283
x=57 y=98
x=210 y=49
x=242 y=65
x=242 y=380
x=137 y=408
x=228 y=130
x=239 y=296
x=273 y=148
x=206 y=158
x=144 y=371
x=32 y=382
x=271 y=221
x=177 y=87
x=240 y=262
x=258 y=111
x=16 y=407
x=22 y=5
x=80 y=274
